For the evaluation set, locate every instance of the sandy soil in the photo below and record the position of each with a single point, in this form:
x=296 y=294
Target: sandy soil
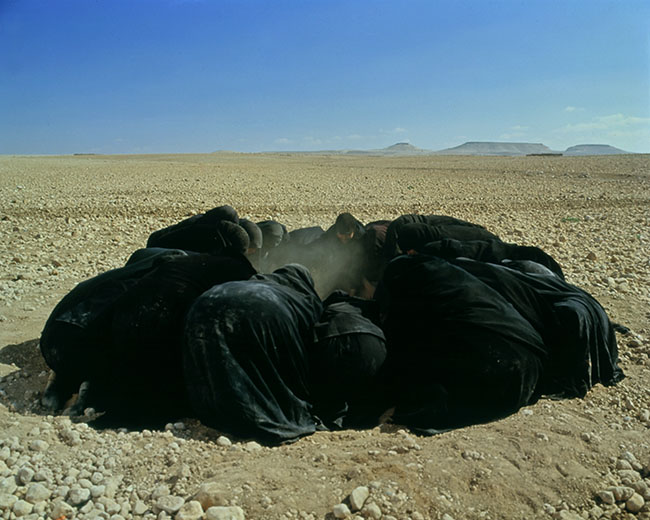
x=65 y=219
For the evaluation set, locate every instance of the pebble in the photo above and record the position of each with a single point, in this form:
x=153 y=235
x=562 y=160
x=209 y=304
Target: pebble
x=191 y=510
x=224 y=441
x=358 y=497
x=169 y=504
x=371 y=510
x=635 y=503
x=225 y=513
x=341 y=511
x=78 y=496
x=37 y=492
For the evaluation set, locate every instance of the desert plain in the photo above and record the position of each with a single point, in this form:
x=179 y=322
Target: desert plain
x=64 y=219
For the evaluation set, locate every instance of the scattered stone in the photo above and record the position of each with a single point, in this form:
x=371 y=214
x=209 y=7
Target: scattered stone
x=341 y=511
x=211 y=494
x=371 y=510
x=358 y=497
x=635 y=503
x=22 y=508
x=191 y=510
x=607 y=497
x=225 y=513
x=170 y=504
x=224 y=441
x=78 y=496
x=37 y=492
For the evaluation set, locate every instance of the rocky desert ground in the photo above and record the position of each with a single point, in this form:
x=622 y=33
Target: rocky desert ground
x=65 y=219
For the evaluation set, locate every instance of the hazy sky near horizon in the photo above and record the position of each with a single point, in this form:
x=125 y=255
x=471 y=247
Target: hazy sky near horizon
x=156 y=76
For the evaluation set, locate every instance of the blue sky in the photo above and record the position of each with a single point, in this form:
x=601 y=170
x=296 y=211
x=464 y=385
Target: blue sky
x=155 y=76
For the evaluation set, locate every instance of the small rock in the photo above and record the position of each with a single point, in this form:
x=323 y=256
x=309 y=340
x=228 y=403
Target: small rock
x=341 y=511
x=623 y=464
x=224 y=441
x=62 y=508
x=592 y=256
x=358 y=497
x=252 y=447
x=78 y=496
x=191 y=510
x=37 y=493
x=225 y=513
x=210 y=494
x=635 y=503
x=25 y=475
x=170 y=504
x=371 y=510
x=140 y=508
x=621 y=493
x=607 y=497
x=7 y=501
x=22 y=508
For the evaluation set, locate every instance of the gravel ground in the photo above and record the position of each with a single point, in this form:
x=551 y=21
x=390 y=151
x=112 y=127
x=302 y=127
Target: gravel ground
x=65 y=219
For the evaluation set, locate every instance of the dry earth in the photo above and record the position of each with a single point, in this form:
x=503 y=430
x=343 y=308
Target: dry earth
x=65 y=219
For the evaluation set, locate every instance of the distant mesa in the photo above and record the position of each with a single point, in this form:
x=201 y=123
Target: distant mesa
x=593 y=149
x=498 y=148
x=478 y=148
x=394 y=149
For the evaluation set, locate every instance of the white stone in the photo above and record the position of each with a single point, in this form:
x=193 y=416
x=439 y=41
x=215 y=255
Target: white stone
x=371 y=510
x=635 y=503
x=25 y=475
x=37 y=492
x=7 y=501
x=170 y=504
x=8 y=485
x=78 y=496
x=140 y=507
x=22 y=508
x=358 y=497
x=62 y=508
x=341 y=511
x=225 y=513
x=191 y=510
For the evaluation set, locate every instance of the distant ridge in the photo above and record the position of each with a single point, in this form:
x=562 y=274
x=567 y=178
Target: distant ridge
x=479 y=148
x=394 y=149
x=593 y=149
x=496 y=148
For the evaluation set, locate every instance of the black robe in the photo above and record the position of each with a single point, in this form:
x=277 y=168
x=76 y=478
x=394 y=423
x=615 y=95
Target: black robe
x=216 y=232
x=576 y=330
x=458 y=352
x=391 y=248
x=346 y=359
x=493 y=251
x=418 y=234
x=246 y=355
x=74 y=337
x=141 y=380
x=122 y=334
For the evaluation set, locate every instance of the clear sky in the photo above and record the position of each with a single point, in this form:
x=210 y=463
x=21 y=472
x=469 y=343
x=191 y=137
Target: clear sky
x=154 y=76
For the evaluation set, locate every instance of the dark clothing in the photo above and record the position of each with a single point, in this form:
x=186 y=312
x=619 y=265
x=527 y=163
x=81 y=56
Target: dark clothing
x=74 y=333
x=391 y=248
x=121 y=330
x=492 y=251
x=458 y=352
x=578 y=335
x=246 y=351
x=216 y=231
x=347 y=356
x=417 y=235
x=141 y=379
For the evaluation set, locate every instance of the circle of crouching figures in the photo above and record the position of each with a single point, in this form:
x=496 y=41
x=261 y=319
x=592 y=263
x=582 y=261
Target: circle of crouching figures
x=426 y=321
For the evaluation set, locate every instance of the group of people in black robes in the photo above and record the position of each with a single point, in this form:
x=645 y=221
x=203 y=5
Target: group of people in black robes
x=269 y=334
